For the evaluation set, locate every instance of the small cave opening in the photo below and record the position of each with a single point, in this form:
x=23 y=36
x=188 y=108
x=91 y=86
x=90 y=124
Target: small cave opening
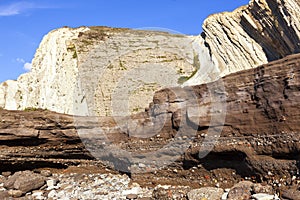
x=287 y=156
x=24 y=142
x=14 y=166
x=235 y=160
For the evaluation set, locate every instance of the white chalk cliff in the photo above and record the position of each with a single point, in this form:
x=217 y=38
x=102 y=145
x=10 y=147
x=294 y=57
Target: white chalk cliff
x=73 y=67
x=91 y=70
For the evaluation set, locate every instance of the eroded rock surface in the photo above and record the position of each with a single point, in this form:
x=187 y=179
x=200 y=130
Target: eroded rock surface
x=259 y=139
x=263 y=31
x=260 y=131
x=25 y=181
x=80 y=66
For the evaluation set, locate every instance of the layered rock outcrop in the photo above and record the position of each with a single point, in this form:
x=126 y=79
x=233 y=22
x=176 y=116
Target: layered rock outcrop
x=80 y=71
x=252 y=35
x=259 y=137
x=259 y=134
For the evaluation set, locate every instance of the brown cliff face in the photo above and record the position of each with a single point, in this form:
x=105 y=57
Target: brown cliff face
x=259 y=136
x=38 y=138
x=261 y=129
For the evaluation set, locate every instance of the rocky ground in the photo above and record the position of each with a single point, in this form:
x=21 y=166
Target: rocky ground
x=89 y=182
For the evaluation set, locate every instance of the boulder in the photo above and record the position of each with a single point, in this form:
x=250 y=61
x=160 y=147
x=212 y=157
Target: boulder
x=240 y=191
x=205 y=193
x=171 y=192
x=24 y=181
x=291 y=194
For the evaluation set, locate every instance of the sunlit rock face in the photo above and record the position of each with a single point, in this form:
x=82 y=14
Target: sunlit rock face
x=51 y=79
x=263 y=31
x=105 y=71
x=79 y=71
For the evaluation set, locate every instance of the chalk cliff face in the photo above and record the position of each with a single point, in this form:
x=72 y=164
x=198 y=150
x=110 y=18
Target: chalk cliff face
x=52 y=66
x=73 y=67
x=91 y=70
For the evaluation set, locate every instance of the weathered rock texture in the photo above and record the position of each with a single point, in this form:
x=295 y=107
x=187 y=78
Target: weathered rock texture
x=260 y=134
x=81 y=71
x=252 y=35
x=25 y=181
x=72 y=66
x=31 y=139
x=259 y=137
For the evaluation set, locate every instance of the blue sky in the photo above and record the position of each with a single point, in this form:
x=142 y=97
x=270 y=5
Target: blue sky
x=24 y=23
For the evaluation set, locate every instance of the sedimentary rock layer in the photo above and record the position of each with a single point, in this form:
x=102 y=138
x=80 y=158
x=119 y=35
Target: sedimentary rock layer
x=259 y=131
x=252 y=35
x=258 y=135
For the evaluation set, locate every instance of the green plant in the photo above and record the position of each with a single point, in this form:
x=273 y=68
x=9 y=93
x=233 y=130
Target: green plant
x=182 y=79
x=110 y=66
x=87 y=42
x=28 y=109
x=196 y=65
x=122 y=67
x=75 y=54
x=196 y=62
x=135 y=109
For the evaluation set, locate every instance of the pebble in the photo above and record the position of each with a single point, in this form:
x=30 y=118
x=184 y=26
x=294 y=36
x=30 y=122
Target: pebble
x=170 y=192
x=6 y=174
x=134 y=190
x=131 y=196
x=206 y=192
x=260 y=188
x=225 y=195
x=38 y=195
x=51 y=183
x=141 y=165
x=15 y=193
x=241 y=190
x=276 y=197
x=52 y=194
x=46 y=173
x=262 y=196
